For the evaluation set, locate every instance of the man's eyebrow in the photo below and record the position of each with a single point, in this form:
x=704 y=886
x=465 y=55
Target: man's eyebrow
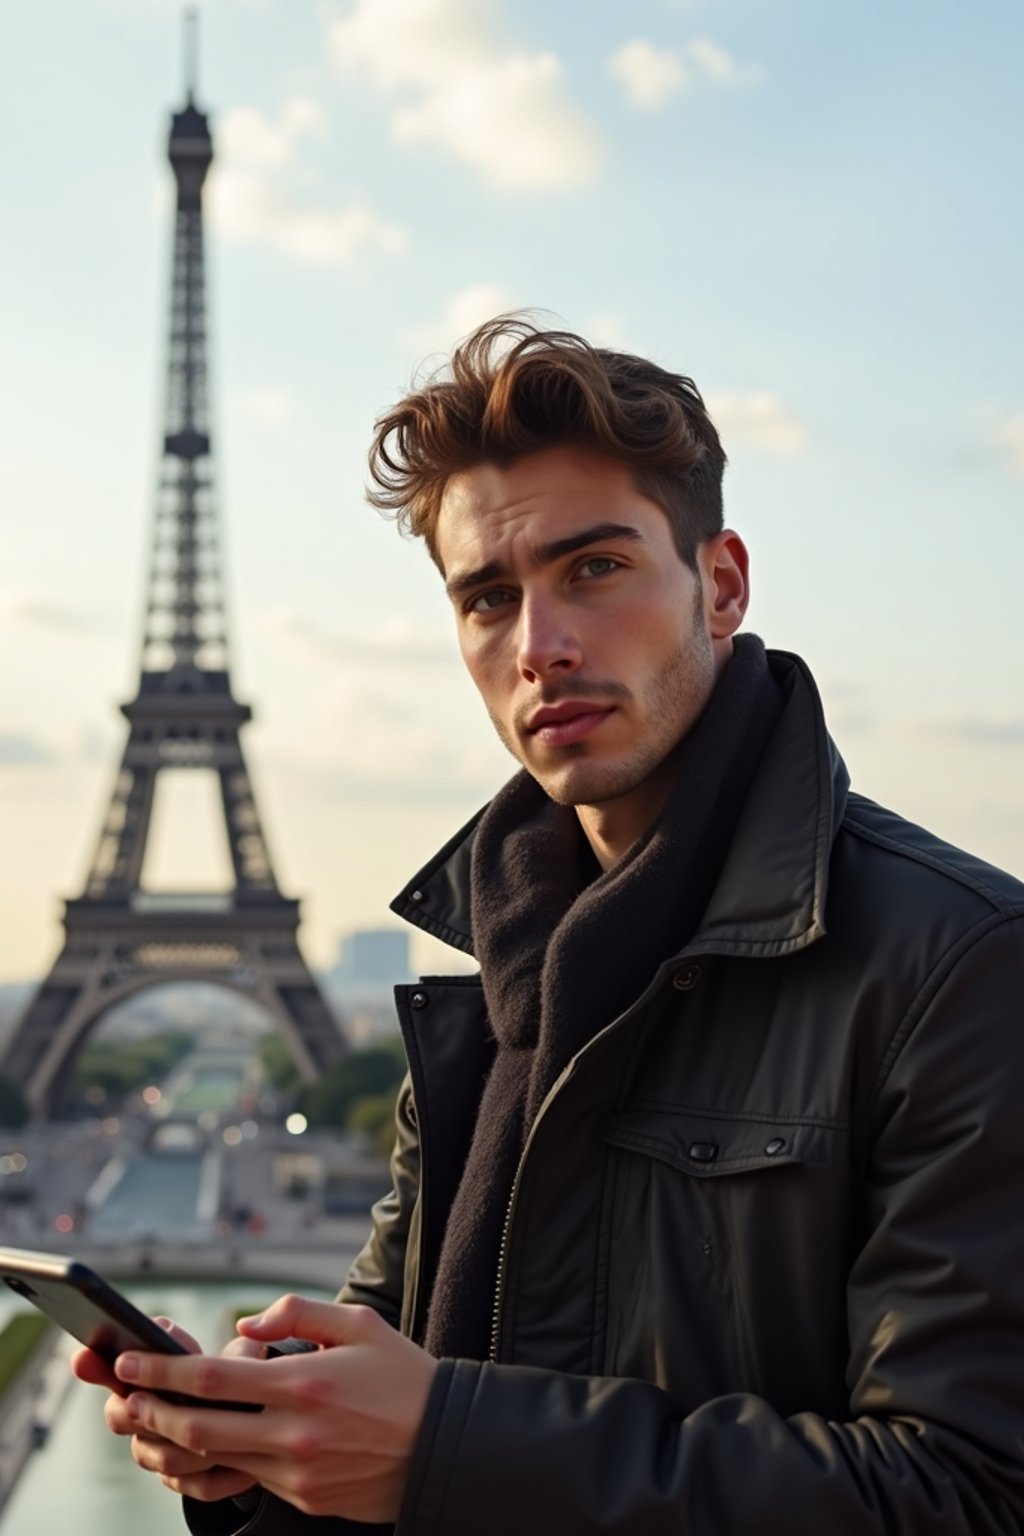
x=600 y=533
x=545 y=554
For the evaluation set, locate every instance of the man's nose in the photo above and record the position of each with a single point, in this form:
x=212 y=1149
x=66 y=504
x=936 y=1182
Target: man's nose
x=548 y=641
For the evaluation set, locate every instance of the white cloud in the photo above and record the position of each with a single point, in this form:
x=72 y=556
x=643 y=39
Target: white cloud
x=396 y=643
x=463 y=312
x=717 y=64
x=267 y=408
x=251 y=199
x=383 y=714
x=848 y=707
x=413 y=42
x=648 y=75
x=325 y=235
x=31 y=610
x=1008 y=437
x=759 y=418
x=607 y=330
x=247 y=136
x=473 y=305
x=90 y=742
x=465 y=92
x=175 y=5
x=248 y=206
x=505 y=118
x=651 y=76
x=983 y=731
x=469 y=307
x=17 y=751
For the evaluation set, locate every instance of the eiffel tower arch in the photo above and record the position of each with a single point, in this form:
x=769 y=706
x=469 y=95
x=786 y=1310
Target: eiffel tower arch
x=119 y=938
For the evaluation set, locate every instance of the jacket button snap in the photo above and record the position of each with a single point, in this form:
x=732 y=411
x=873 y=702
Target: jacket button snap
x=415 y=895
x=703 y=1151
x=775 y=1146
x=419 y=999
x=686 y=979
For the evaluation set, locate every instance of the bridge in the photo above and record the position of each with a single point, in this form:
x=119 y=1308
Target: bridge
x=322 y=1265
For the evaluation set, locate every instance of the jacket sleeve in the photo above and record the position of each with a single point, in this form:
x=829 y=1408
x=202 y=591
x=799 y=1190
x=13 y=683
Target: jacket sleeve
x=377 y=1277
x=932 y=1445
x=377 y=1280
x=268 y=1516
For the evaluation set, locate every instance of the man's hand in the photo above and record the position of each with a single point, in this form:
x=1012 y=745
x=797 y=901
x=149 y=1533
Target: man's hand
x=151 y=1451
x=338 y=1425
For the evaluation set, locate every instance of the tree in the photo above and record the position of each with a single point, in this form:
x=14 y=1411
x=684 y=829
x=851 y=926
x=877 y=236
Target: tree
x=361 y=1075
x=375 y=1118
x=279 y=1065
x=14 y=1110
x=119 y=1067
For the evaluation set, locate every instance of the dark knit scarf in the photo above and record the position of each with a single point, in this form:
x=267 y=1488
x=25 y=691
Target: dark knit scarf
x=561 y=958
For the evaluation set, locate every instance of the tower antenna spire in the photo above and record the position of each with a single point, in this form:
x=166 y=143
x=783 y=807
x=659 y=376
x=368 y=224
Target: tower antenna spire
x=191 y=53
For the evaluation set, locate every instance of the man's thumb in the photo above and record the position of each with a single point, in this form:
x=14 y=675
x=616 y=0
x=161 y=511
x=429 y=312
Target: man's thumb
x=327 y=1322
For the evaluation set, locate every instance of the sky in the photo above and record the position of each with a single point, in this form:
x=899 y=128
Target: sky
x=814 y=209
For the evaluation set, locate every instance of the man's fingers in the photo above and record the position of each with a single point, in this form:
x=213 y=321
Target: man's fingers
x=215 y=1433
x=117 y=1415
x=179 y=1335
x=88 y=1366
x=156 y=1455
x=245 y=1349
x=326 y=1322
x=216 y=1483
x=119 y=1420
x=208 y=1377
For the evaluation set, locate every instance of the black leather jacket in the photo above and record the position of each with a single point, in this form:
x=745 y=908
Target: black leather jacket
x=764 y=1264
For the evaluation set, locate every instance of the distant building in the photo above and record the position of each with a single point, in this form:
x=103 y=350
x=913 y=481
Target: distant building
x=370 y=963
x=373 y=958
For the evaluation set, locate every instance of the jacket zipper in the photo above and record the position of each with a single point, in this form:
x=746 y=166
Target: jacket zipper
x=552 y=1094
x=506 y=1227
x=499 y=1281
x=492 y=1354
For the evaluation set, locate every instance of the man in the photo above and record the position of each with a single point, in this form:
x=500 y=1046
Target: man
x=707 y=1193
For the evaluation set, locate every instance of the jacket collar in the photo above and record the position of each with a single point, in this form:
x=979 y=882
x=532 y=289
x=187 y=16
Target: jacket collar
x=770 y=895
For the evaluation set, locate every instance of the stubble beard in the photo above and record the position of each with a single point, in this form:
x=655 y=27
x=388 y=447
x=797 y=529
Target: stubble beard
x=671 y=704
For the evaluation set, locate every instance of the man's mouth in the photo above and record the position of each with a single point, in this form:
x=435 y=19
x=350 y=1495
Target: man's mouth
x=560 y=725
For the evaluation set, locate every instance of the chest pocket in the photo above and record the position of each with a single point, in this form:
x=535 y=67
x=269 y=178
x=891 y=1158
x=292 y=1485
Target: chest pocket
x=749 y=1205
x=728 y=1232
x=719 y=1144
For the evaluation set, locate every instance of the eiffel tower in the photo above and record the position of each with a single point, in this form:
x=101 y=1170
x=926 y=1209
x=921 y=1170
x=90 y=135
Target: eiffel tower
x=119 y=939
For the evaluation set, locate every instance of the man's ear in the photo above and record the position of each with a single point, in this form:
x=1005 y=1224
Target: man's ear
x=725 y=573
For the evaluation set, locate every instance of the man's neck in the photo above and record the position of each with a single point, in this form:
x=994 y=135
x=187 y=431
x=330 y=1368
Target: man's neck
x=612 y=827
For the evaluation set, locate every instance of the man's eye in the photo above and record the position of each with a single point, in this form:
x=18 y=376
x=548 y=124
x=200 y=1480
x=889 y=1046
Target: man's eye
x=598 y=565
x=486 y=602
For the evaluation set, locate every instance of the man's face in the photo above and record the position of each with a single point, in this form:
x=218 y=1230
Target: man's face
x=590 y=640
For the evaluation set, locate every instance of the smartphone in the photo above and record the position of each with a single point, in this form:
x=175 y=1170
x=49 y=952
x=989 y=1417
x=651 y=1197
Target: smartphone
x=92 y=1311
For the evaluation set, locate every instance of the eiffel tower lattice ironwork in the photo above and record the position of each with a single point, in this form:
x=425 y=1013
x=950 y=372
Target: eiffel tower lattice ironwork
x=118 y=938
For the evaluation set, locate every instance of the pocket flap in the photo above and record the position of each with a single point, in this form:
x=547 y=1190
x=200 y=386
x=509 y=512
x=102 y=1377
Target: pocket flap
x=709 y=1145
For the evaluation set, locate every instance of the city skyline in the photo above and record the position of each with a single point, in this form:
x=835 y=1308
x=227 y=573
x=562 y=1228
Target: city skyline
x=809 y=213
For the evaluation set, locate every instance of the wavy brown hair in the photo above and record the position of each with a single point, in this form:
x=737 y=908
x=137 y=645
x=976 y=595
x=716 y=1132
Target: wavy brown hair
x=513 y=389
